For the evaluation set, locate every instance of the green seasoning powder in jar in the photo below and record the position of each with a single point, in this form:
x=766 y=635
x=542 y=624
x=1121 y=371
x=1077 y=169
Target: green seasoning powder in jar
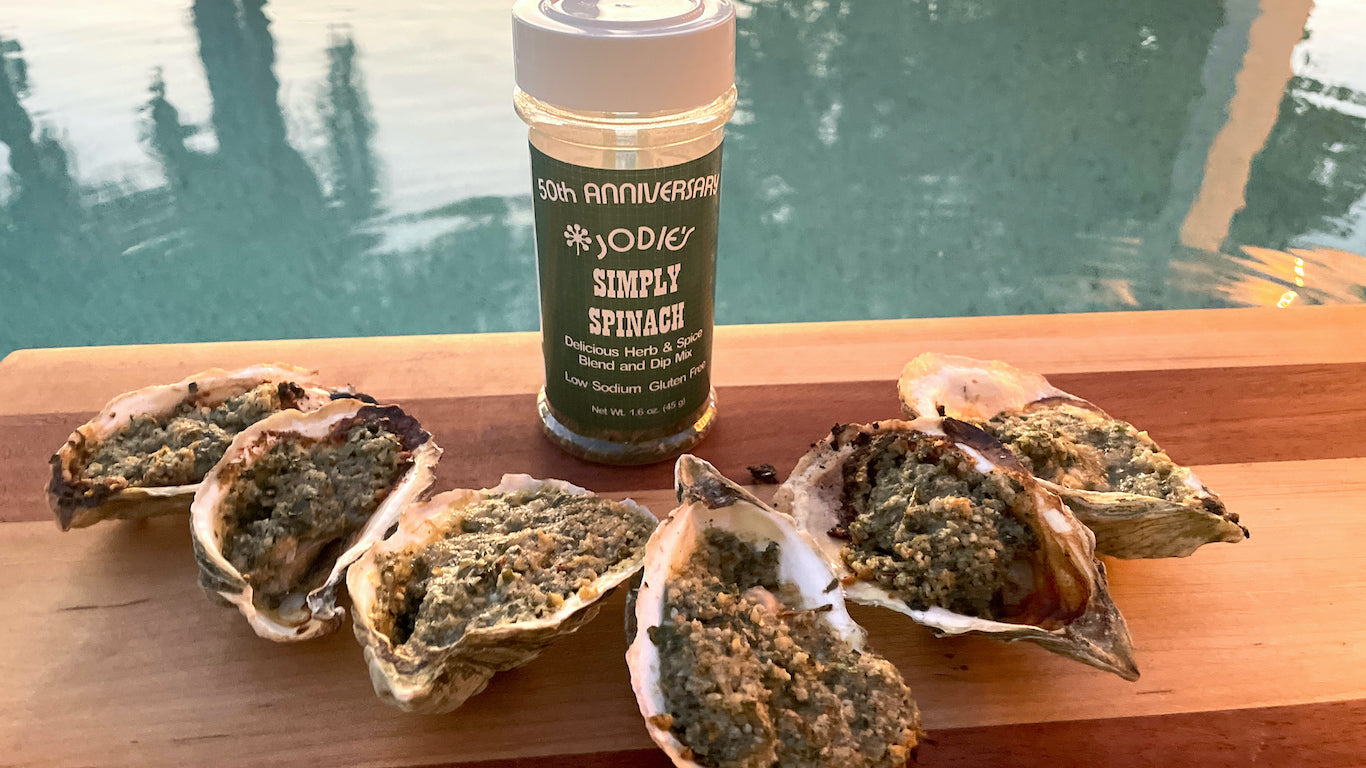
x=626 y=102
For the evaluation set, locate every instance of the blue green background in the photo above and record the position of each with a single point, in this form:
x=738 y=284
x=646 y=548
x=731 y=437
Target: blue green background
x=226 y=169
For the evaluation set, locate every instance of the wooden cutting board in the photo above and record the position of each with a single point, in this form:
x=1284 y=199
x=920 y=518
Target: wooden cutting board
x=1253 y=653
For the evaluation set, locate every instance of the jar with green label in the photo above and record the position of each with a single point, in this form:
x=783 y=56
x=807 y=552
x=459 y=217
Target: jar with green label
x=626 y=103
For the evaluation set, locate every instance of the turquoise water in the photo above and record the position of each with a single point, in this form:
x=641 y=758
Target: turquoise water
x=206 y=170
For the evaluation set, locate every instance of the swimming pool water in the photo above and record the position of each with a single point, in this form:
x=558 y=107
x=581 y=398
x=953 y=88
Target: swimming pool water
x=176 y=170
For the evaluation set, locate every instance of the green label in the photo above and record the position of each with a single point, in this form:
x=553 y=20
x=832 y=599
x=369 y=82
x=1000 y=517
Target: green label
x=627 y=262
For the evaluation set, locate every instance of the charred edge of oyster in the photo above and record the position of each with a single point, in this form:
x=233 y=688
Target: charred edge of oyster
x=68 y=498
x=78 y=502
x=306 y=611
x=686 y=534
x=632 y=592
x=974 y=437
x=346 y=394
x=390 y=418
x=1086 y=625
x=1215 y=506
x=1052 y=400
x=432 y=677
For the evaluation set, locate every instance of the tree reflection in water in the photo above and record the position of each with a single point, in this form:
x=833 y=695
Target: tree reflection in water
x=1305 y=191
x=1311 y=171
x=246 y=238
x=350 y=128
x=45 y=202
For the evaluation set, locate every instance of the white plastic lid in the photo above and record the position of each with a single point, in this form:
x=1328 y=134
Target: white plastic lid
x=624 y=55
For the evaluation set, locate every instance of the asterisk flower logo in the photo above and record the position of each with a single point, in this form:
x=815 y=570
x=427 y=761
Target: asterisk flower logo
x=576 y=237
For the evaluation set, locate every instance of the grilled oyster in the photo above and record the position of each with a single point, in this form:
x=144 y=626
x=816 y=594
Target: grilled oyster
x=935 y=519
x=745 y=654
x=1113 y=477
x=146 y=451
x=476 y=582
x=297 y=498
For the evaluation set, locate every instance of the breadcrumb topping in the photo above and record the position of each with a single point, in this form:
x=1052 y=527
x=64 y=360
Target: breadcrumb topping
x=510 y=557
x=181 y=447
x=754 y=679
x=1079 y=448
x=925 y=524
x=304 y=499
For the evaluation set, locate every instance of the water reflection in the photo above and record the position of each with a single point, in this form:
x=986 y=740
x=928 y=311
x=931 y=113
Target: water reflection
x=350 y=128
x=1267 y=277
x=45 y=202
x=1305 y=191
x=245 y=239
x=40 y=209
x=889 y=159
x=1310 y=173
x=966 y=154
x=254 y=154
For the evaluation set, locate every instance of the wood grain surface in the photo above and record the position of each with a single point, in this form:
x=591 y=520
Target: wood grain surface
x=1252 y=653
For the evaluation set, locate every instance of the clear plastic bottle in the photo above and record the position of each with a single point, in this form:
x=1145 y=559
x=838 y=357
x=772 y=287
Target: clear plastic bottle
x=626 y=103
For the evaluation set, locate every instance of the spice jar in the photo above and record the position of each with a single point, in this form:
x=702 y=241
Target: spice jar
x=626 y=103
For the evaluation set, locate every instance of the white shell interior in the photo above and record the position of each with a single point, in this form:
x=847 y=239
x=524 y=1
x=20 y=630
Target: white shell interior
x=812 y=496
x=671 y=546
x=969 y=388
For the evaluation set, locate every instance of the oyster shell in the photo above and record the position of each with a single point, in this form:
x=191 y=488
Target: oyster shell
x=290 y=504
x=935 y=519
x=80 y=497
x=430 y=648
x=1137 y=501
x=746 y=655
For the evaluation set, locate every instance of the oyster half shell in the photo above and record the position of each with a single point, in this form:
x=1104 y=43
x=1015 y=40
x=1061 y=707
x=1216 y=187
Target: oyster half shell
x=298 y=549
x=79 y=501
x=490 y=541
x=897 y=508
x=1137 y=501
x=743 y=653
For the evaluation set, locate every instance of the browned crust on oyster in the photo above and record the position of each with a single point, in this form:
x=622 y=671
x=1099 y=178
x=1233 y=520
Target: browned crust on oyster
x=1061 y=585
x=442 y=678
x=710 y=500
x=389 y=417
x=320 y=612
x=71 y=495
x=1126 y=525
x=1069 y=612
x=78 y=502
